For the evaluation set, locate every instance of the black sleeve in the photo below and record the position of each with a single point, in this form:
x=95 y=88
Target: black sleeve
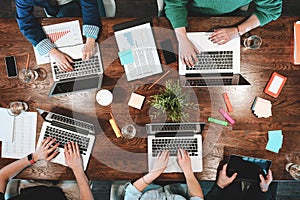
x=1 y=196
x=215 y=193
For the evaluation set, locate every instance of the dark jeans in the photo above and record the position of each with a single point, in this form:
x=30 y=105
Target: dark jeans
x=72 y=9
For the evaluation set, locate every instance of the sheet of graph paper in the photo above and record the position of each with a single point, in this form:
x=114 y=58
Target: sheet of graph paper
x=24 y=137
x=62 y=34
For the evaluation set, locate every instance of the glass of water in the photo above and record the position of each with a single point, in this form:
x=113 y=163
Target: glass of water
x=17 y=107
x=252 y=42
x=128 y=131
x=28 y=75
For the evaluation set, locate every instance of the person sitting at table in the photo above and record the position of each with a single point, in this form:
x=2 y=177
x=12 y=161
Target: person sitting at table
x=177 y=12
x=143 y=189
x=47 y=151
x=226 y=188
x=33 y=31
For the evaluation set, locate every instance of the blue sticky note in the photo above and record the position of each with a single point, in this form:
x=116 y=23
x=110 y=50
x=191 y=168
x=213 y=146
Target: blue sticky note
x=126 y=57
x=275 y=140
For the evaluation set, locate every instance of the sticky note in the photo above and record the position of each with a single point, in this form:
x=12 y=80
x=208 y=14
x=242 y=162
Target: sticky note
x=136 y=100
x=275 y=139
x=126 y=57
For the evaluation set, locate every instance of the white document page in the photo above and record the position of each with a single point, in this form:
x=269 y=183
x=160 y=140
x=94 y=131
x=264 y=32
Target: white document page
x=6 y=125
x=24 y=137
x=62 y=34
x=140 y=41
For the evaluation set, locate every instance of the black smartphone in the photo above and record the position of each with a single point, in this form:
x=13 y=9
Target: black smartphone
x=168 y=51
x=11 y=66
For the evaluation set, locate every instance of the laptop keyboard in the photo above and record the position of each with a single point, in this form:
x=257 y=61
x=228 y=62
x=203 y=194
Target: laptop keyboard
x=210 y=60
x=173 y=144
x=187 y=127
x=80 y=68
x=63 y=137
x=208 y=82
x=71 y=121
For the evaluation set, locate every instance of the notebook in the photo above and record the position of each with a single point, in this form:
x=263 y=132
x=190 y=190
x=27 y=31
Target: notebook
x=137 y=49
x=217 y=65
x=172 y=136
x=248 y=168
x=66 y=129
x=85 y=76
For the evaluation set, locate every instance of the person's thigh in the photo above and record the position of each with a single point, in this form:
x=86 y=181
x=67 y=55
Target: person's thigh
x=72 y=9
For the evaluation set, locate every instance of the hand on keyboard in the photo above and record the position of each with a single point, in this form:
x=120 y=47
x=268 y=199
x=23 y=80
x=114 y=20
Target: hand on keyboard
x=161 y=162
x=184 y=161
x=72 y=156
x=46 y=150
x=62 y=60
x=89 y=49
x=223 y=35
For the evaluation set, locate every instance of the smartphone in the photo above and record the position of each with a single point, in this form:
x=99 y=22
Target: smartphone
x=168 y=51
x=11 y=66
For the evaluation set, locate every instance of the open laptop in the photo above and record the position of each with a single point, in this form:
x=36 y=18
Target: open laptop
x=172 y=136
x=66 y=129
x=137 y=49
x=218 y=65
x=85 y=76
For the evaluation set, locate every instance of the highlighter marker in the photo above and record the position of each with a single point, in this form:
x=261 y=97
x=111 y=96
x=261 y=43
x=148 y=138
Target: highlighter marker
x=115 y=128
x=217 y=121
x=227 y=102
x=227 y=117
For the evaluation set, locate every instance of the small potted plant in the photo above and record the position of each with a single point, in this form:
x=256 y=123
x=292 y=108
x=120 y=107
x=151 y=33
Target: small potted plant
x=173 y=102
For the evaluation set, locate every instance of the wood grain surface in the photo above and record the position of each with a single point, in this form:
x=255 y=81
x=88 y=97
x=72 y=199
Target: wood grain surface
x=116 y=159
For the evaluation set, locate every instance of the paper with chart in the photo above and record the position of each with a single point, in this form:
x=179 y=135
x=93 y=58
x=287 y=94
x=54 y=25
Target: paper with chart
x=62 y=34
x=137 y=52
x=24 y=135
x=6 y=125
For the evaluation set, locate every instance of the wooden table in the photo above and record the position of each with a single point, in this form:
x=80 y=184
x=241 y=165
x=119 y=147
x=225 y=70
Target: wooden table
x=115 y=159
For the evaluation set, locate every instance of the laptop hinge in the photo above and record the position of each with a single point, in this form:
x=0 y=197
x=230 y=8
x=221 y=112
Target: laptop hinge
x=174 y=134
x=69 y=127
x=209 y=74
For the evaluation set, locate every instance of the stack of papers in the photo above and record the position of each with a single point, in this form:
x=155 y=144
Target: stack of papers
x=275 y=141
x=262 y=107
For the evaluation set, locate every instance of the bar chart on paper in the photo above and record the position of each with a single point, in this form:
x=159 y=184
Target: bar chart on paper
x=62 y=34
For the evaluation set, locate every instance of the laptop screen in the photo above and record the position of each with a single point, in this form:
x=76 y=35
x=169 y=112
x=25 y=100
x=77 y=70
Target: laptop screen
x=73 y=85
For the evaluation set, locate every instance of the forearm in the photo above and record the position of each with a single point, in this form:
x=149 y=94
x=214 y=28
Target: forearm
x=251 y=23
x=11 y=170
x=145 y=180
x=83 y=184
x=193 y=185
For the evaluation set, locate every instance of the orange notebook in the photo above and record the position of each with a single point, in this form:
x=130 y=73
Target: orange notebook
x=297 y=43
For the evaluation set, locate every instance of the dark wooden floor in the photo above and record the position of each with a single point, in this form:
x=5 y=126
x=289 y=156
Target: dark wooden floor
x=138 y=8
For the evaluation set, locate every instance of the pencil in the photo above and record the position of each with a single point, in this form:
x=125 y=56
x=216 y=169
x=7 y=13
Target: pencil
x=165 y=74
x=28 y=59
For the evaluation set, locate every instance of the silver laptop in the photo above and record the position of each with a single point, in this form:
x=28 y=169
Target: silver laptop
x=217 y=65
x=86 y=74
x=66 y=129
x=172 y=136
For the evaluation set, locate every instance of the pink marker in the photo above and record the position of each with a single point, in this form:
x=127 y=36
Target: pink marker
x=227 y=117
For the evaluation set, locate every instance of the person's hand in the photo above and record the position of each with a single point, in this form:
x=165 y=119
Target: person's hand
x=187 y=51
x=264 y=183
x=62 y=60
x=46 y=150
x=223 y=180
x=72 y=156
x=89 y=49
x=223 y=35
x=184 y=161
x=161 y=162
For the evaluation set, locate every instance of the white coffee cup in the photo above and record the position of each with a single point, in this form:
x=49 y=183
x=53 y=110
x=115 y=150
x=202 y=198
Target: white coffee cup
x=104 y=97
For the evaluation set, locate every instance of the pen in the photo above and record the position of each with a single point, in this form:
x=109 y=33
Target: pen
x=217 y=121
x=227 y=117
x=114 y=126
x=165 y=74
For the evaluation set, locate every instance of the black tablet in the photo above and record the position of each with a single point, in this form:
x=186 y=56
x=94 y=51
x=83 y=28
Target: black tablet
x=248 y=168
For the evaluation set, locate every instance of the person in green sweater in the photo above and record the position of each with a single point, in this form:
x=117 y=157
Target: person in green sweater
x=177 y=12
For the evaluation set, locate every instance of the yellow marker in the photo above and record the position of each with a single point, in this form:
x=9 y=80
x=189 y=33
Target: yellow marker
x=115 y=128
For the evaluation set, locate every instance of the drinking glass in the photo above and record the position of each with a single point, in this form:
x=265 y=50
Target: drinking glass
x=28 y=75
x=17 y=107
x=253 y=42
x=128 y=131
